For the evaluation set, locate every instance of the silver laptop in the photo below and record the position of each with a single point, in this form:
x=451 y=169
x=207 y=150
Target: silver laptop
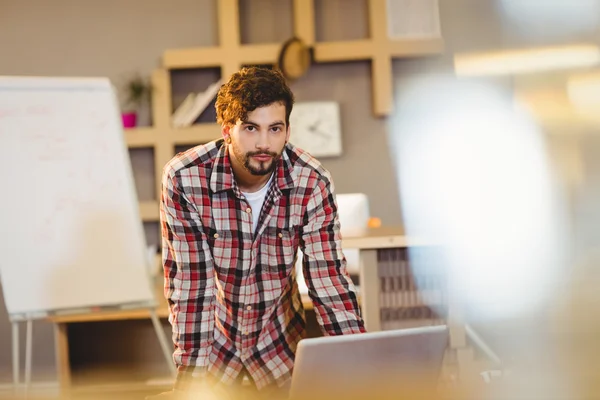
x=392 y=364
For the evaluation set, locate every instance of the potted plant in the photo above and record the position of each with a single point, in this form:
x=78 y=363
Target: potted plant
x=137 y=91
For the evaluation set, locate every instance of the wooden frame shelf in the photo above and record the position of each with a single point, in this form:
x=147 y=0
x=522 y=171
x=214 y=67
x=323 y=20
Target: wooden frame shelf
x=210 y=57
x=231 y=55
x=356 y=50
x=140 y=137
x=148 y=136
x=199 y=133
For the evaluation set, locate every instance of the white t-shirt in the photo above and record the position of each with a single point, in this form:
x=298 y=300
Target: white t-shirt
x=256 y=200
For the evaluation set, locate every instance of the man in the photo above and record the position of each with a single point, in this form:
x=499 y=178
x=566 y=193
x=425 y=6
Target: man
x=233 y=214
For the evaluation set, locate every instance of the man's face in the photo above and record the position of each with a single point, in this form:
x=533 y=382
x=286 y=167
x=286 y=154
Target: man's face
x=258 y=142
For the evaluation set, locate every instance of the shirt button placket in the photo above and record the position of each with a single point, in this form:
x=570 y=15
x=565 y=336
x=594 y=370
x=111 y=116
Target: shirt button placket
x=245 y=351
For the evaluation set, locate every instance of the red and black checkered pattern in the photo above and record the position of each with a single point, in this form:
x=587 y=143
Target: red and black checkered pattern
x=233 y=296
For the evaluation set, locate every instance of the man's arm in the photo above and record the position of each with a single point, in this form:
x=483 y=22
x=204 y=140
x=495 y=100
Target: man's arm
x=324 y=266
x=189 y=277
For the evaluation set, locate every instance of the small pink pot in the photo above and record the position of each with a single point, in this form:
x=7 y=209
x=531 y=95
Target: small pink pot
x=129 y=119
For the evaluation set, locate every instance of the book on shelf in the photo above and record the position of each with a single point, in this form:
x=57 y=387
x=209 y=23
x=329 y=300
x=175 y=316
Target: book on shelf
x=194 y=105
x=181 y=111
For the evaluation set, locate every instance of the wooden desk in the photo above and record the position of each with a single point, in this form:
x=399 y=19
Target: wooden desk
x=367 y=241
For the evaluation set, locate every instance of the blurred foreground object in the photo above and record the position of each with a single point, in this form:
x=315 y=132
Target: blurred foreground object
x=477 y=180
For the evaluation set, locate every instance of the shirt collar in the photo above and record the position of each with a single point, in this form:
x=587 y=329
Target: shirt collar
x=222 y=178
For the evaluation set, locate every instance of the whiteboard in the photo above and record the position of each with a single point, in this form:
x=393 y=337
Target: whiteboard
x=70 y=232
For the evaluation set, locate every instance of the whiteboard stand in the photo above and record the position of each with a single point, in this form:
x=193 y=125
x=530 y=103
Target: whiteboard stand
x=28 y=353
x=162 y=339
x=16 y=356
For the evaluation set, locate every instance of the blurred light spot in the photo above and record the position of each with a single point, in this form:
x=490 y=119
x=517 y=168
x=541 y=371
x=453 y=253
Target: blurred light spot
x=474 y=178
x=551 y=19
x=584 y=94
x=526 y=60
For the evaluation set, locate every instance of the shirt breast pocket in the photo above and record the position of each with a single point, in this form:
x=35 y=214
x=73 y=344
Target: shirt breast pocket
x=280 y=246
x=224 y=251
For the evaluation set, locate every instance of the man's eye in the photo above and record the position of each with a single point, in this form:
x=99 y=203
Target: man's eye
x=276 y=129
x=250 y=128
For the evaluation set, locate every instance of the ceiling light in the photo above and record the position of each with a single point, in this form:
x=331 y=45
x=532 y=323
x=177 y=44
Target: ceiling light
x=523 y=61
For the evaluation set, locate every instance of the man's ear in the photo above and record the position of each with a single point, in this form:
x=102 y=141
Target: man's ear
x=225 y=130
x=287 y=134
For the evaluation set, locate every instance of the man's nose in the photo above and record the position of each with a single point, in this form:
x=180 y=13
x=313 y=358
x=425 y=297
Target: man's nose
x=263 y=141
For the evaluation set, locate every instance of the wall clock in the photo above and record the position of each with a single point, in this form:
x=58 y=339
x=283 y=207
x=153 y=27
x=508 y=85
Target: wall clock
x=315 y=127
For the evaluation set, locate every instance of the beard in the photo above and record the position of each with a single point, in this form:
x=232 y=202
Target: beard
x=256 y=167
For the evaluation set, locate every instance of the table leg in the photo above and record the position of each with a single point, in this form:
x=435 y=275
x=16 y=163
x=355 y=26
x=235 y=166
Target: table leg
x=63 y=366
x=369 y=289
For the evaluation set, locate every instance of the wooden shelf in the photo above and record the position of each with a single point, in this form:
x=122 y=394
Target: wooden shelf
x=356 y=50
x=191 y=58
x=140 y=137
x=208 y=57
x=162 y=312
x=199 y=133
x=148 y=136
x=416 y=47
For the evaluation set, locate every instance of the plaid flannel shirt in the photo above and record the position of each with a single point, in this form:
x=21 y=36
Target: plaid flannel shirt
x=233 y=296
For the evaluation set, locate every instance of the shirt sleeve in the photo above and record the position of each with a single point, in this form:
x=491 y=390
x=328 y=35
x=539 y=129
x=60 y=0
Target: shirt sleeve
x=324 y=265
x=188 y=277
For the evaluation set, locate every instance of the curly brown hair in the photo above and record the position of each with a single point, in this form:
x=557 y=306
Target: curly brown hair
x=249 y=89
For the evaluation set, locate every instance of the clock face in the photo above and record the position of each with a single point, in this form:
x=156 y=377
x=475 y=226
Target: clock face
x=315 y=127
